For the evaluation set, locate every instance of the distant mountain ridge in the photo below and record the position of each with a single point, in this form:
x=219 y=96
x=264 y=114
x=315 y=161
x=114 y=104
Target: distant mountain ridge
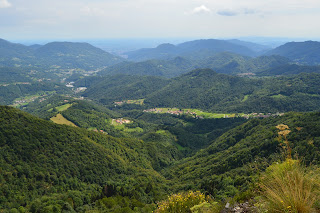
x=225 y=62
x=192 y=49
x=65 y=54
x=307 y=52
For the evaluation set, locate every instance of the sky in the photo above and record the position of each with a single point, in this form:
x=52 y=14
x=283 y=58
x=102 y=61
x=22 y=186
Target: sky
x=76 y=19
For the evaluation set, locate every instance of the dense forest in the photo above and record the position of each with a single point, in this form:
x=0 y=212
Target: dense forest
x=49 y=167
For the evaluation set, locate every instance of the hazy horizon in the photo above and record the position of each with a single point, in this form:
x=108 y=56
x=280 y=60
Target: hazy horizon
x=97 y=19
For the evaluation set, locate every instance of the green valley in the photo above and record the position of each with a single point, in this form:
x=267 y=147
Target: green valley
x=202 y=126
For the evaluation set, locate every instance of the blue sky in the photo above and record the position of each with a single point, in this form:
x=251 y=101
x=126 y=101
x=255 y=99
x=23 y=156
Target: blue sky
x=73 y=19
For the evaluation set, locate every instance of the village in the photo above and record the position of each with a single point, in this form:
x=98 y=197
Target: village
x=174 y=112
x=201 y=115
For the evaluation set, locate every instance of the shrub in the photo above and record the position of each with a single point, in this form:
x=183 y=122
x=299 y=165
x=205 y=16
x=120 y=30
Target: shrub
x=290 y=187
x=183 y=202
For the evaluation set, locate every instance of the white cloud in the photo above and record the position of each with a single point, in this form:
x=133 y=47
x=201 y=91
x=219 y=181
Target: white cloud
x=201 y=9
x=4 y=4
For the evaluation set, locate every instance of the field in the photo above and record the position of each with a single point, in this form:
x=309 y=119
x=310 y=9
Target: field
x=59 y=119
x=138 y=102
x=63 y=107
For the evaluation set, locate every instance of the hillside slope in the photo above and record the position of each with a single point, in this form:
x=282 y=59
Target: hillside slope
x=57 y=54
x=44 y=165
x=208 y=90
x=78 y=55
x=225 y=62
x=232 y=162
x=301 y=52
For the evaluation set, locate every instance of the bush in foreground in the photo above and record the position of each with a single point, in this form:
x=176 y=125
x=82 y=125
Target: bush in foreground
x=187 y=202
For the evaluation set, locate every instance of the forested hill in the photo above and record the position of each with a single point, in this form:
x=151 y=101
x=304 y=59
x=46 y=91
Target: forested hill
x=61 y=54
x=289 y=69
x=121 y=87
x=193 y=49
x=47 y=167
x=165 y=68
x=301 y=52
x=9 y=50
x=233 y=161
x=226 y=62
x=208 y=90
x=72 y=54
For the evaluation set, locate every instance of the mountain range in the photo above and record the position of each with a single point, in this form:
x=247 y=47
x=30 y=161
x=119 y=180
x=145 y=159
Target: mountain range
x=193 y=49
x=61 y=54
x=228 y=63
x=306 y=53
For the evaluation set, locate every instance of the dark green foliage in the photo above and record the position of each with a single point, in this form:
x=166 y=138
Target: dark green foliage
x=124 y=87
x=9 y=93
x=40 y=161
x=207 y=90
x=47 y=167
x=231 y=162
x=13 y=74
x=301 y=52
x=166 y=68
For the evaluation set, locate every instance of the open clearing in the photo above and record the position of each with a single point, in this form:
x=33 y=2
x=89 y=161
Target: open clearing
x=63 y=107
x=59 y=119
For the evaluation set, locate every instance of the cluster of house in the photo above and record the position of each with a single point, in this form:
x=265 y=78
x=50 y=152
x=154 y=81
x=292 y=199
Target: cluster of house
x=25 y=100
x=5 y=85
x=70 y=84
x=80 y=89
x=173 y=112
x=121 y=121
x=261 y=115
x=188 y=112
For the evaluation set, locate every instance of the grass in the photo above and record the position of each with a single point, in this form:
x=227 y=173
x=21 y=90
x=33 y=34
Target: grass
x=278 y=96
x=136 y=129
x=180 y=148
x=138 y=102
x=245 y=98
x=59 y=119
x=63 y=107
x=290 y=187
